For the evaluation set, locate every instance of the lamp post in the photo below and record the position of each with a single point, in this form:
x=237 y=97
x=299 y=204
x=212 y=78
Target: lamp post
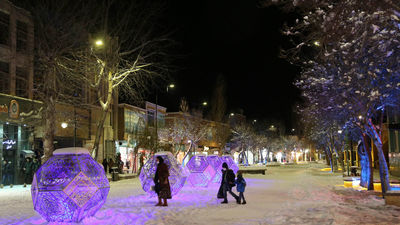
x=170 y=86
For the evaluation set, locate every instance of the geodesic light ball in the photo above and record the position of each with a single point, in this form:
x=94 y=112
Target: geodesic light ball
x=69 y=187
x=177 y=175
x=216 y=163
x=201 y=172
x=231 y=163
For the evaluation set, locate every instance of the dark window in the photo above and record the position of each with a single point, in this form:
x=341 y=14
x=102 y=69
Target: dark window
x=4 y=77
x=150 y=118
x=22 y=36
x=21 y=86
x=4 y=28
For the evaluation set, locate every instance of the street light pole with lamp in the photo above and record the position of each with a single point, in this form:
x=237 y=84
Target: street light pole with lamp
x=170 y=86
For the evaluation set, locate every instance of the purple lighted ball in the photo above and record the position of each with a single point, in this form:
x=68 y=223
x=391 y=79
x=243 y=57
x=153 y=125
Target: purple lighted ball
x=201 y=172
x=231 y=163
x=69 y=187
x=216 y=163
x=177 y=176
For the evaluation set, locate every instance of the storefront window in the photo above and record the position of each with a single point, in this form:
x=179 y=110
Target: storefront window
x=15 y=144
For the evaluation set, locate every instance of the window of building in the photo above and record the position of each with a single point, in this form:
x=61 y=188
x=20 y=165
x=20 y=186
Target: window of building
x=4 y=28
x=150 y=118
x=21 y=86
x=22 y=36
x=4 y=77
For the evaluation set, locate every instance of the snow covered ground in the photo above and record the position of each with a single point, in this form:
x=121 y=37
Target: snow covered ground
x=285 y=195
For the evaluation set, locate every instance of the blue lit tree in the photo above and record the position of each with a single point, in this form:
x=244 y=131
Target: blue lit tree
x=350 y=53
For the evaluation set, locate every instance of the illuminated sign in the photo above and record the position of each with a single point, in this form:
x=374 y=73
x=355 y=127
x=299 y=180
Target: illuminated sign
x=3 y=108
x=9 y=143
x=14 y=109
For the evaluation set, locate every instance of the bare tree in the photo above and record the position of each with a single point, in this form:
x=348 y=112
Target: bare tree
x=60 y=30
x=126 y=55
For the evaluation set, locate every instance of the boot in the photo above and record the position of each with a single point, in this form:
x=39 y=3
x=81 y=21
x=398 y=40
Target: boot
x=238 y=200
x=244 y=203
x=1 y=186
x=165 y=202
x=11 y=185
x=224 y=202
x=24 y=184
x=159 y=202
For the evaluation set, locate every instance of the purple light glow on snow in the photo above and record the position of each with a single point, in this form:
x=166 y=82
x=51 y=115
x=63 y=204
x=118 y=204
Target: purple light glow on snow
x=177 y=176
x=201 y=172
x=69 y=187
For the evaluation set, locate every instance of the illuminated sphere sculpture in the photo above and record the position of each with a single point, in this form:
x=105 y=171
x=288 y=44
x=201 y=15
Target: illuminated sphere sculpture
x=177 y=175
x=201 y=172
x=231 y=163
x=216 y=163
x=69 y=187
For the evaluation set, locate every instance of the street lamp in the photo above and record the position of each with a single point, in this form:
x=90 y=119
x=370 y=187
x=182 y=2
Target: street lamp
x=64 y=125
x=339 y=131
x=204 y=103
x=316 y=43
x=293 y=130
x=232 y=114
x=99 y=42
x=170 y=86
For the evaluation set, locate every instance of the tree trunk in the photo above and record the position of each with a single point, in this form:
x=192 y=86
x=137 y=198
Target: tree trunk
x=341 y=161
x=383 y=167
x=187 y=153
x=49 y=128
x=368 y=163
x=99 y=134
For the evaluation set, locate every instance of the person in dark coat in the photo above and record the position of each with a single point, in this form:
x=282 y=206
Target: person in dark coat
x=35 y=165
x=161 y=182
x=110 y=165
x=9 y=170
x=240 y=187
x=227 y=182
x=105 y=165
x=4 y=174
x=28 y=173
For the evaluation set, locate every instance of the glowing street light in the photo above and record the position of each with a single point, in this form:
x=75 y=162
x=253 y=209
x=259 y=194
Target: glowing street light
x=339 y=131
x=360 y=117
x=232 y=114
x=204 y=103
x=64 y=125
x=316 y=43
x=272 y=126
x=293 y=130
x=170 y=86
x=254 y=121
x=99 y=42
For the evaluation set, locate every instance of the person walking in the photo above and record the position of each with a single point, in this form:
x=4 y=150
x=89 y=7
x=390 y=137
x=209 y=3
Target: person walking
x=4 y=174
x=240 y=187
x=105 y=164
x=27 y=171
x=161 y=182
x=9 y=174
x=227 y=182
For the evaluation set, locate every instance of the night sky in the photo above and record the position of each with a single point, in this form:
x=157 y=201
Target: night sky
x=240 y=41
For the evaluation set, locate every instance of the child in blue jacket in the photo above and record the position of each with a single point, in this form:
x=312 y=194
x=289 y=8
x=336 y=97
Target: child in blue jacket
x=240 y=186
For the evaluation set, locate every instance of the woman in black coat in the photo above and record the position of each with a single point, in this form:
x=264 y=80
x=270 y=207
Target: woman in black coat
x=227 y=182
x=161 y=182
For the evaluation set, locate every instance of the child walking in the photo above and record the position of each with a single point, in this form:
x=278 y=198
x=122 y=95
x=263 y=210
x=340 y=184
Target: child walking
x=240 y=186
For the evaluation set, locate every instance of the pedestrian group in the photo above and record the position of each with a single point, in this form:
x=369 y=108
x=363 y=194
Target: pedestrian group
x=228 y=181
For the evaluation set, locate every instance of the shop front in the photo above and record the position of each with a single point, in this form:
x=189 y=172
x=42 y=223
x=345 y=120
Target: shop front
x=17 y=138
